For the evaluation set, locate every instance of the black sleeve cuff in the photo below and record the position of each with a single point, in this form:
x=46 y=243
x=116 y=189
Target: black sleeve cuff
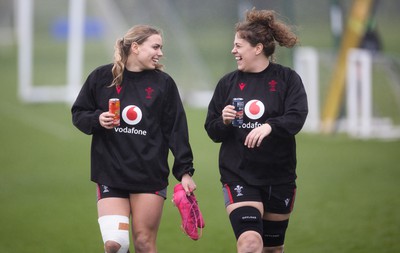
x=189 y=171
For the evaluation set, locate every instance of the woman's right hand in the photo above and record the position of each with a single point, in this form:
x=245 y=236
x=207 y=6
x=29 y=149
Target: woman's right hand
x=106 y=120
x=228 y=114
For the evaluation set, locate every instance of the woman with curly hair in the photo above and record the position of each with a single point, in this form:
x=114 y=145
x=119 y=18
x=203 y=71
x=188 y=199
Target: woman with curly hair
x=257 y=159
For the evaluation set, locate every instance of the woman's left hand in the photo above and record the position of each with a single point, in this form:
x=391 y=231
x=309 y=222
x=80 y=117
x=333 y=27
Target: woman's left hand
x=256 y=136
x=188 y=184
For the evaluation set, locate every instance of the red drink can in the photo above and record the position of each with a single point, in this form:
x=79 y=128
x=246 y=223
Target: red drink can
x=114 y=107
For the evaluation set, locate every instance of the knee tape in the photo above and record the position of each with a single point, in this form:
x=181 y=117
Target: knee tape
x=115 y=228
x=274 y=232
x=244 y=219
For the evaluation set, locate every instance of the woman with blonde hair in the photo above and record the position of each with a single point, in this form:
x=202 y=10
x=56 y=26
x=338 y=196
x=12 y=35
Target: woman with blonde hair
x=257 y=159
x=129 y=160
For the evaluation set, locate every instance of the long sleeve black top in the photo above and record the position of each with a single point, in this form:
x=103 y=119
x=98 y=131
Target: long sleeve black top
x=134 y=155
x=275 y=96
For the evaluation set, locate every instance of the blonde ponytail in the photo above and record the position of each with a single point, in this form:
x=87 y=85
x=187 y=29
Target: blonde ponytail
x=137 y=34
x=120 y=57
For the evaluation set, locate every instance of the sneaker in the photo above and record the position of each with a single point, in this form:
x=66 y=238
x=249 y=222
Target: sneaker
x=188 y=207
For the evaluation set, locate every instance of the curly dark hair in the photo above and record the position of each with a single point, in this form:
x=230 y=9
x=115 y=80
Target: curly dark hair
x=262 y=26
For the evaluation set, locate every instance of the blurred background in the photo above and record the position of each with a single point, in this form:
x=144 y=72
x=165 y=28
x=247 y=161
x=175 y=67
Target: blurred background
x=200 y=39
x=348 y=158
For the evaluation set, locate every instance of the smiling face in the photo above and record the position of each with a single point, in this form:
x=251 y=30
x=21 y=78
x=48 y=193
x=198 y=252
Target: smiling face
x=248 y=58
x=146 y=55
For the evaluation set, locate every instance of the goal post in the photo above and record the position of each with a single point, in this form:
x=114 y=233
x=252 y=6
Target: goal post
x=306 y=65
x=359 y=93
x=351 y=38
x=27 y=91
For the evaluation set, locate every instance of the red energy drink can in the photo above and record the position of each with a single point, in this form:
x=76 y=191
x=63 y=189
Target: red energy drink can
x=114 y=107
x=238 y=103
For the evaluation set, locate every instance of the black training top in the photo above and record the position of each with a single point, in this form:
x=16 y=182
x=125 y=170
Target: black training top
x=134 y=155
x=275 y=96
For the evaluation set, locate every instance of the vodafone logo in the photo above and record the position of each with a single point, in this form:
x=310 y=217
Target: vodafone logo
x=254 y=109
x=132 y=115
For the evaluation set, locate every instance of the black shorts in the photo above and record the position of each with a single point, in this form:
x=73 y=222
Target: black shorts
x=275 y=198
x=104 y=191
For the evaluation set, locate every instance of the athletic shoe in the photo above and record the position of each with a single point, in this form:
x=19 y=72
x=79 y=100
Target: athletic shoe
x=189 y=210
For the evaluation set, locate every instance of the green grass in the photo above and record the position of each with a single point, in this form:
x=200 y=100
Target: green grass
x=347 y=197
x=348 y=194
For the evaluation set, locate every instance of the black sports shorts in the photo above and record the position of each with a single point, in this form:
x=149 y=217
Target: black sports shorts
x=275 y=198
x=104 y=191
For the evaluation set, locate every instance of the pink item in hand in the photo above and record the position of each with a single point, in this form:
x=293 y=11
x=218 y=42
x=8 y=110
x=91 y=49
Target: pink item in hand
x=192 y=219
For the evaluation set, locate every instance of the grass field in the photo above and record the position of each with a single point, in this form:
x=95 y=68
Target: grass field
x=348 y=190
x=348 y=195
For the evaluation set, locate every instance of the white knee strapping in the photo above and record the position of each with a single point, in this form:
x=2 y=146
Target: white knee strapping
x=115 y=228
